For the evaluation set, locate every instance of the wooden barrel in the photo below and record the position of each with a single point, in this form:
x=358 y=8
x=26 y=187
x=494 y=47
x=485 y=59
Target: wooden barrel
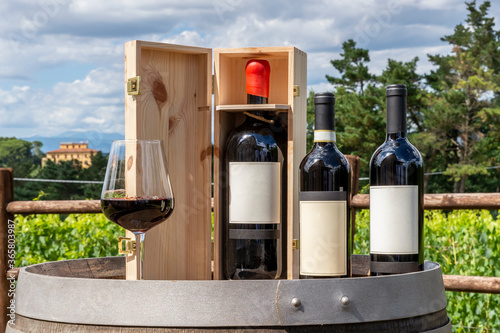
x=90 y=295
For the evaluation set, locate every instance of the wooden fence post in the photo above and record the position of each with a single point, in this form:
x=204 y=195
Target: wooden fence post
x=354 y=162
x=6 y=196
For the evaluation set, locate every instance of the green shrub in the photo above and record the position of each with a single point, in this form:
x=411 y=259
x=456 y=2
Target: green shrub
x=41 y=238
x=463 y=242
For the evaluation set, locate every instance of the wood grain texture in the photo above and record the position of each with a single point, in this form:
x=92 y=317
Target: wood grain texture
x=288 y=68
x=360 y=201
x=297 y=125
x=473 y=284
x=174 y=106
x=355 y=163
x=360 y=265
x=445 y=201
x=6 y=196
x=95 y=268
x=55 y=207
x=13 y=273
x=132 y=63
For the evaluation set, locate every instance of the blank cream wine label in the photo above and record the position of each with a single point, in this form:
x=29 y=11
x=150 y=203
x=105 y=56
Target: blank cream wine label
x=255 y=192
x=323 y=228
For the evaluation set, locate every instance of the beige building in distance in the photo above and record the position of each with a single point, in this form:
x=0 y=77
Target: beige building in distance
x=71 y=151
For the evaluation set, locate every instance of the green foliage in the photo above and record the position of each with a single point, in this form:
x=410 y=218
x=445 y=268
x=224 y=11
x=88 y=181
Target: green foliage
x=463 y=242
x=17 y=154
x=353 y=67
x=41 y=238
x=463 y=79
x=64 y=170
x=452 y=117
x=356 y=112
x=310 y=121
x=24 y=158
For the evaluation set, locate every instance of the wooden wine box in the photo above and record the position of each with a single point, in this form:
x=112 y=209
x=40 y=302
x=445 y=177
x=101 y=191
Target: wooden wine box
x=287 y=95
x=169 y=97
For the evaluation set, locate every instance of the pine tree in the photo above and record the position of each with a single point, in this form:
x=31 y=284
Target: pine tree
x=352 y=67
x=463 y=81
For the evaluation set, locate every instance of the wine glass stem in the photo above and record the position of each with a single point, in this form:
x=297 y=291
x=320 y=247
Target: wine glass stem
x=139 y=254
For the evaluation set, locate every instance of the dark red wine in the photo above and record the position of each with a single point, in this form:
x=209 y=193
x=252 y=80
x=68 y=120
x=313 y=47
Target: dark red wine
x=254 y=203
x=137 y=215
x=324 y=194
x=396 y=195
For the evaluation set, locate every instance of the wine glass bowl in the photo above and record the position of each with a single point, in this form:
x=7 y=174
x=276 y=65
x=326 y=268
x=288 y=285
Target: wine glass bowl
x=136 y=193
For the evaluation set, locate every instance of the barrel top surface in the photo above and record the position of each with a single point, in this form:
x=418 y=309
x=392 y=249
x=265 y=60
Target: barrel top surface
x=90 y=291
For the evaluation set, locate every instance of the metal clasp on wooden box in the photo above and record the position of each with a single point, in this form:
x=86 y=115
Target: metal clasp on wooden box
x=129 y=245
x=134 y=85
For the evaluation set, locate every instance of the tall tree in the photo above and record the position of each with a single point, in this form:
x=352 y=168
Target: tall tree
x=96 y=171
x=18 y=154
x=64 y=170
x=360 y=104
x=463 y=81
x=353 y=68
x=24 y=158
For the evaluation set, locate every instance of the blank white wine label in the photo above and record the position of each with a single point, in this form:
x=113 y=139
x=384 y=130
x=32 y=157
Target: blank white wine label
x=254 y=192
x=394 y=219
x=323 y=242
x=325 y=136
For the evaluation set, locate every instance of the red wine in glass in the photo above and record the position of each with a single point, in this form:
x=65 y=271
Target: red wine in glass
x=137 y=214
x=137 y=194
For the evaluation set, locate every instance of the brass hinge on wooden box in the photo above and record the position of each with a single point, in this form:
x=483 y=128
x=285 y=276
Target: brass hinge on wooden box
x=134 y=85
x=129 y=243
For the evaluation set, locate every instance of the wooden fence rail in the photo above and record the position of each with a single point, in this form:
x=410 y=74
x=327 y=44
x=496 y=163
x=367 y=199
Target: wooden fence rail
x=8 y=208
x=444 y=201
x=359 y=201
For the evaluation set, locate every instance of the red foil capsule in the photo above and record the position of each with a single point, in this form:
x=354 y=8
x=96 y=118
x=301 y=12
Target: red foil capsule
x=257 y=72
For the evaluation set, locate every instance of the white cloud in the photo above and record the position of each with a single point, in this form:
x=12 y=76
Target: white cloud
x=42 y=37
x=321 y=87
x=94 y=103
x=379 y=58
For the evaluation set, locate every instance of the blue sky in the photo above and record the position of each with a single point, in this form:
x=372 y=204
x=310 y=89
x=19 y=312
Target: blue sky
x=61 y=62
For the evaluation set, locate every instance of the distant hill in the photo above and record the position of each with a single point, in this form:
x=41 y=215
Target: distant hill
x=97 y=140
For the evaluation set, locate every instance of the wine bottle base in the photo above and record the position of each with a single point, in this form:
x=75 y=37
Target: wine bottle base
x=381 y=264
x=315 y=277
x=377 y=267
x=253 y=274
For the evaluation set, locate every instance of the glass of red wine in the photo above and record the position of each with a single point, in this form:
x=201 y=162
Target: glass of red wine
x=137 y=194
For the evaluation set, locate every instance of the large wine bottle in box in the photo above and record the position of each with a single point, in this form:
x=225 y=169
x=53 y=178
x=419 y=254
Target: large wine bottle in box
x=286 y=107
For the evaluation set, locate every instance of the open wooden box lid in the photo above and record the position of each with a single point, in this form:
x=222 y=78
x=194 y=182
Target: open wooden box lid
x=171 y=101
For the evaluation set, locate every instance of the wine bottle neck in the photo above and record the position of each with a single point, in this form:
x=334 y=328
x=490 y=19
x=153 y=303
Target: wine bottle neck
x=396 y=114
x=254 y=99
x=324 y=118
